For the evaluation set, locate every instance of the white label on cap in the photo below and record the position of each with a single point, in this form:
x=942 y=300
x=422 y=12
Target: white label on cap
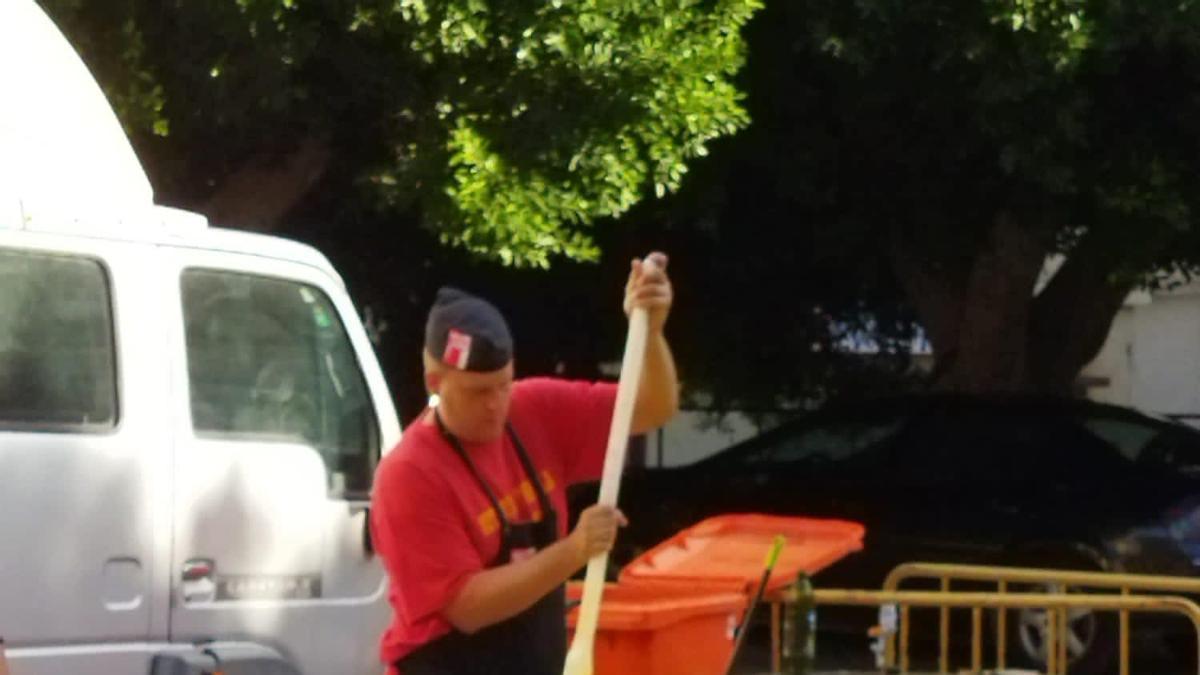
x=458 y=350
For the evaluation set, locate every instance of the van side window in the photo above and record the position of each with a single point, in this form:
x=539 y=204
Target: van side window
x=57 y=359
x=269 y=360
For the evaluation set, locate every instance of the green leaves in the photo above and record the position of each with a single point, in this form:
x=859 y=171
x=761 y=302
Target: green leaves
x=514 y=125
x=563 y=115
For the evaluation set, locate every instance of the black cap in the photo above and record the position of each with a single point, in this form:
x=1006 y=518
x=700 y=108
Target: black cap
x=467 y=333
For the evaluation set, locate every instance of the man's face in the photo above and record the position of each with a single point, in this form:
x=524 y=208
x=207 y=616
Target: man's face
x=475 y=405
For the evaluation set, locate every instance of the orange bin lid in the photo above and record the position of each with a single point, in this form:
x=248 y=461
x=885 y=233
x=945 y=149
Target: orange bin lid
x=655 y=606
x=730 y=551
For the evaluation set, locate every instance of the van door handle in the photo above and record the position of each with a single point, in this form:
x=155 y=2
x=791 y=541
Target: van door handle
x=197 y=583
x=367 y=542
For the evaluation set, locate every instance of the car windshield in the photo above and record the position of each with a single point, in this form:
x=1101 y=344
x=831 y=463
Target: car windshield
x=961 y=440
x=1148 y=442
x=843 y=439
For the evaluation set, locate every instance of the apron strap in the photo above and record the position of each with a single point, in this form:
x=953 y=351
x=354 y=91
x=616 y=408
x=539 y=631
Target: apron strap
x=505 y=525
x=543 y=498
x=526 y=464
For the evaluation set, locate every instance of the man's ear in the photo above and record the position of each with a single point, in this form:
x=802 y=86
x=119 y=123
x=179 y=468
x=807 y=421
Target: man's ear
x=433 y=382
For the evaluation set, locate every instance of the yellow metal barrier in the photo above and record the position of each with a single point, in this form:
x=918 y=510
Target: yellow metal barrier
x=1056 y=603
x=1062 y=580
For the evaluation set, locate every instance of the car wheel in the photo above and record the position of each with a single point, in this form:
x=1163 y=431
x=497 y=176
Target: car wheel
x=1091 y=636
x=1084 y=635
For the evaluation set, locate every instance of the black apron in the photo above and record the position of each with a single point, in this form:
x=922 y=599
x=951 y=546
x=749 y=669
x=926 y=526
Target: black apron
x=533 y=642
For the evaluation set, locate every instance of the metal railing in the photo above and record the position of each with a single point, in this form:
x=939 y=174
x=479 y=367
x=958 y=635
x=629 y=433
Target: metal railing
x=1151 y=597
x=1057 y=604
x=1060 y=581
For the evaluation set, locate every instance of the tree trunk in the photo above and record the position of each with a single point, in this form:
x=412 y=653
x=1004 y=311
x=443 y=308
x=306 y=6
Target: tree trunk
x=990 y=333
x=977 y=321
x=994 y=321
x=1073 y=315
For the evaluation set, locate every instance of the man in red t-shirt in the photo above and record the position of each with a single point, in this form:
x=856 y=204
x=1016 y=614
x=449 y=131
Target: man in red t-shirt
x=469 y=511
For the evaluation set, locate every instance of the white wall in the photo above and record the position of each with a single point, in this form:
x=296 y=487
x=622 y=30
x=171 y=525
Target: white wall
x=1152 y=356
x=1111 y=369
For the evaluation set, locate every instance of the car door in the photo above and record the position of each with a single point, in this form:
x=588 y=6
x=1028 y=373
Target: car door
x=84 y=452
x=283 y=412
x=957 y=484
x=979 y=479
x=1158 y=472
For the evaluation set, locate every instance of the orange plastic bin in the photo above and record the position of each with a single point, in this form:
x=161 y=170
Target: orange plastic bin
x=675 y=608
x=652 y=629
x=728 y=551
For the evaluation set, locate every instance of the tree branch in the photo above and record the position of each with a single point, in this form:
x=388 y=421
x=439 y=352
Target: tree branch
x=1072 y=316
x=259 y=194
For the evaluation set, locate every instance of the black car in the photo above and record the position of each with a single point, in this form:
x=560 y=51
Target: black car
x=960 y=479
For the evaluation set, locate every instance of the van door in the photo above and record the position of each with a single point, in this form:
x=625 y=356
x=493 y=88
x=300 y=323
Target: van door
x=283 y=412
x=84 y=452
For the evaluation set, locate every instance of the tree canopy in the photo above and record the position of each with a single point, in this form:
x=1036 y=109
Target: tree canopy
x=944 y=150
x=896 y=162
x=511 y=127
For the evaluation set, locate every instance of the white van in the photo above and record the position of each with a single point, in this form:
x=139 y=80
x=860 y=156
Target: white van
x=190 y=417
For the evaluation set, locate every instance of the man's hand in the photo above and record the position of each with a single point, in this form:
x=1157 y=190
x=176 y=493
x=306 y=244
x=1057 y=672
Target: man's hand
x=499 y=593
x=596 y=531
x=649 y=287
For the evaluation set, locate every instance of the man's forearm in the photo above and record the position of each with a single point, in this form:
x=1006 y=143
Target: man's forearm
x=658 y=393
x=500 y=593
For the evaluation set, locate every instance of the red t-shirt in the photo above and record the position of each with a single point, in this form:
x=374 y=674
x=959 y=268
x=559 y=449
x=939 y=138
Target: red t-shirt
x=434 y=527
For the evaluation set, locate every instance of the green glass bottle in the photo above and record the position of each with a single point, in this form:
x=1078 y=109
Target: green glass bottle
x=800 y=629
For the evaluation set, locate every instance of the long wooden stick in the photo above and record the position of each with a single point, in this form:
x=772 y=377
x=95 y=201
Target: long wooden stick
x=579 y=658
